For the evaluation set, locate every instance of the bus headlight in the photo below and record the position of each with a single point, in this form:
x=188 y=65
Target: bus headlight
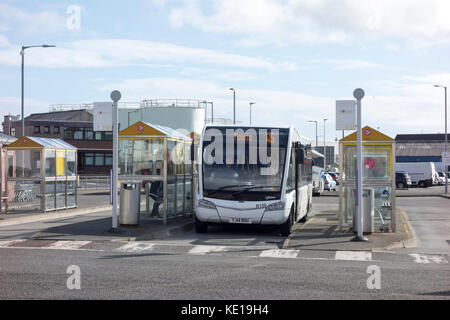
x=275 y=206
x=202 y=203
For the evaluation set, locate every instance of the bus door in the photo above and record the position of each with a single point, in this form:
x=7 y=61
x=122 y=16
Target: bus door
x=299 y=155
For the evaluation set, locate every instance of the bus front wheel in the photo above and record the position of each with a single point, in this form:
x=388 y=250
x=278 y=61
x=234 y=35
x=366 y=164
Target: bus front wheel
x=286 y=227
x=200 y=227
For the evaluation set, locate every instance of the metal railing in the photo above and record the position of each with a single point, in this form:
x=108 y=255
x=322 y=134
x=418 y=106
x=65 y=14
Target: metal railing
x=94 y=182
x=185 y=103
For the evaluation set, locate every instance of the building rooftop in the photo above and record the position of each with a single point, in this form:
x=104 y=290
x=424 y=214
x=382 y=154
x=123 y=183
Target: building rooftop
x=71 y=115
x=422 y=137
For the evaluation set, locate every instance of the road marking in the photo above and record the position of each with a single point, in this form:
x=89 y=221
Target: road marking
x=202 y=250
x=7 y=243
x=404 y=224
x=423 y=259
x=353 y=255
x=69 y=245
x=279 y=253
x=135 y=247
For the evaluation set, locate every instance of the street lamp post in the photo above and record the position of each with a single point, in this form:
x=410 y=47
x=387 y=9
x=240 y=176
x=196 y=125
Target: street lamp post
x=324 y=147
x=446 y=142
x=22 y=53
x=251 y=103
x=234 y=105
x=317 y=137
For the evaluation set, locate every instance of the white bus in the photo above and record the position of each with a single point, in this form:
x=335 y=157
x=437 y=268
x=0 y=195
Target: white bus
x=253 y=175
x=318 y=181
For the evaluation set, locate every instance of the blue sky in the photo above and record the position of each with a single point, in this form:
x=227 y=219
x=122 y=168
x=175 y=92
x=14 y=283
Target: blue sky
x=293 y=58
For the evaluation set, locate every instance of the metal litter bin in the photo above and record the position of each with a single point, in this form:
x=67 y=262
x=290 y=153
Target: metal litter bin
x=368 y=210
x=130 y=202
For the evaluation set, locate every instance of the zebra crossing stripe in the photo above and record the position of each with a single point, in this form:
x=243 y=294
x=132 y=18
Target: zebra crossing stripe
x=353 y=255
x=7 y=243
x=69 y=245
x=135 y=247
x=279 y=253
x=423 y=259
x=202 y=250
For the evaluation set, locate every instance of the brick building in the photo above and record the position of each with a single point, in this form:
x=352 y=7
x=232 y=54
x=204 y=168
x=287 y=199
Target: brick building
x=74 y=127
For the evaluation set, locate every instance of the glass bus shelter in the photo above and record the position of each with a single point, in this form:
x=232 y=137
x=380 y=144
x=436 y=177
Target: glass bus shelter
x=41 y=175
x=378 y=156
x=160 y=158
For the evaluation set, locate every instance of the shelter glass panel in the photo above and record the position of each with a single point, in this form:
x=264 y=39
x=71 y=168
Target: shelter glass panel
x=50 y=163
x=25 y=164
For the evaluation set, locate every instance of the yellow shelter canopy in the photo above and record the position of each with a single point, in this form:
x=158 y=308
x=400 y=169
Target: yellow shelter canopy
x=368 y=134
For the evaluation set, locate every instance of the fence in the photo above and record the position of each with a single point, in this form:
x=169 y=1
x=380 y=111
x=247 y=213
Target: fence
x=94 y=182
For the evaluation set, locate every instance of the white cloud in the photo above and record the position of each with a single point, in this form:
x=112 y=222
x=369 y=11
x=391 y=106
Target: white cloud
x=12 y=105
x=28 y=24
x=406 y=109
x=318 y=21
x=122 y=52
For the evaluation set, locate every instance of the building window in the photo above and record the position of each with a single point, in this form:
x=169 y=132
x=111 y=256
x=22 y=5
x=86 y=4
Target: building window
x=108 y=159
x=99 y=159
x=37 y=129
x=89 y=159
x=78 y=134
x=108 y=136
x=68 y=134
x=56 y=130
x=88 y=134
x=46 y=129
x=98 y=135
x=13 y=132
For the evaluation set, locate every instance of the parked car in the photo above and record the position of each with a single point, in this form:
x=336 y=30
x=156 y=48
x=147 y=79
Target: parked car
x=330 y=184
x=421 y=173
x=402 y=180
x=441 y=177
x=334 y=176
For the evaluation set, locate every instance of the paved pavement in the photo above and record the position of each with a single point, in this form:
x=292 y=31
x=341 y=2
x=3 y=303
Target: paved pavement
x=242 y=262
x=149 y=270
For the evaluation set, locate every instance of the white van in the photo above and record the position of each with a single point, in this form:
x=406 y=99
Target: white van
x=421 y=173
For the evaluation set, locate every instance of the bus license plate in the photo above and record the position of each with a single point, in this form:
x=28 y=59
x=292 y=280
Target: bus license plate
x=240 y=220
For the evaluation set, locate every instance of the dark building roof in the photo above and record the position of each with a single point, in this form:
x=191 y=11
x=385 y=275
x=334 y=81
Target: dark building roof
x=422 y=137
x=71 y=115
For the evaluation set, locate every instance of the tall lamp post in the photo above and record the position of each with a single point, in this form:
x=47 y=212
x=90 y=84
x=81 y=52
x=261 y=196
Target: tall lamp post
x=22 y=53
x=234 y=105
x=317 y=137
x=446 y=142
x=251 y=103
x=324 y=147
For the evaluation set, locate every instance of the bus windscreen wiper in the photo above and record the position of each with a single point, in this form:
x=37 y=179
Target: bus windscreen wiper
x=250 y=188
x=230 y=186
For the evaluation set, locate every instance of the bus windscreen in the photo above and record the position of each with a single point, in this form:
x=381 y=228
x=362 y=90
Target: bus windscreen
x=241 y=163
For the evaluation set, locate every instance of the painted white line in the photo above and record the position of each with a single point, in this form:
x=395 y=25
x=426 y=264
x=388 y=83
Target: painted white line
x=279 y=253
x=423 y=259
x=68 y=245
x=353 y=255
x=135 y=247
x=7 y=243
x=202 y=250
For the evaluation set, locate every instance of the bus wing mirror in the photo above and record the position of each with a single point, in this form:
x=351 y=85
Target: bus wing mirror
x=300 y=155
x=192 y=152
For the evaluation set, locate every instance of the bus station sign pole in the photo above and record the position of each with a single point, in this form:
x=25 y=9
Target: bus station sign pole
x=359 y=94
x=115 y=97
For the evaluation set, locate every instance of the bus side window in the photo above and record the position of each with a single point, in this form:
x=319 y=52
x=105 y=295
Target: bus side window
x=290 y=183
